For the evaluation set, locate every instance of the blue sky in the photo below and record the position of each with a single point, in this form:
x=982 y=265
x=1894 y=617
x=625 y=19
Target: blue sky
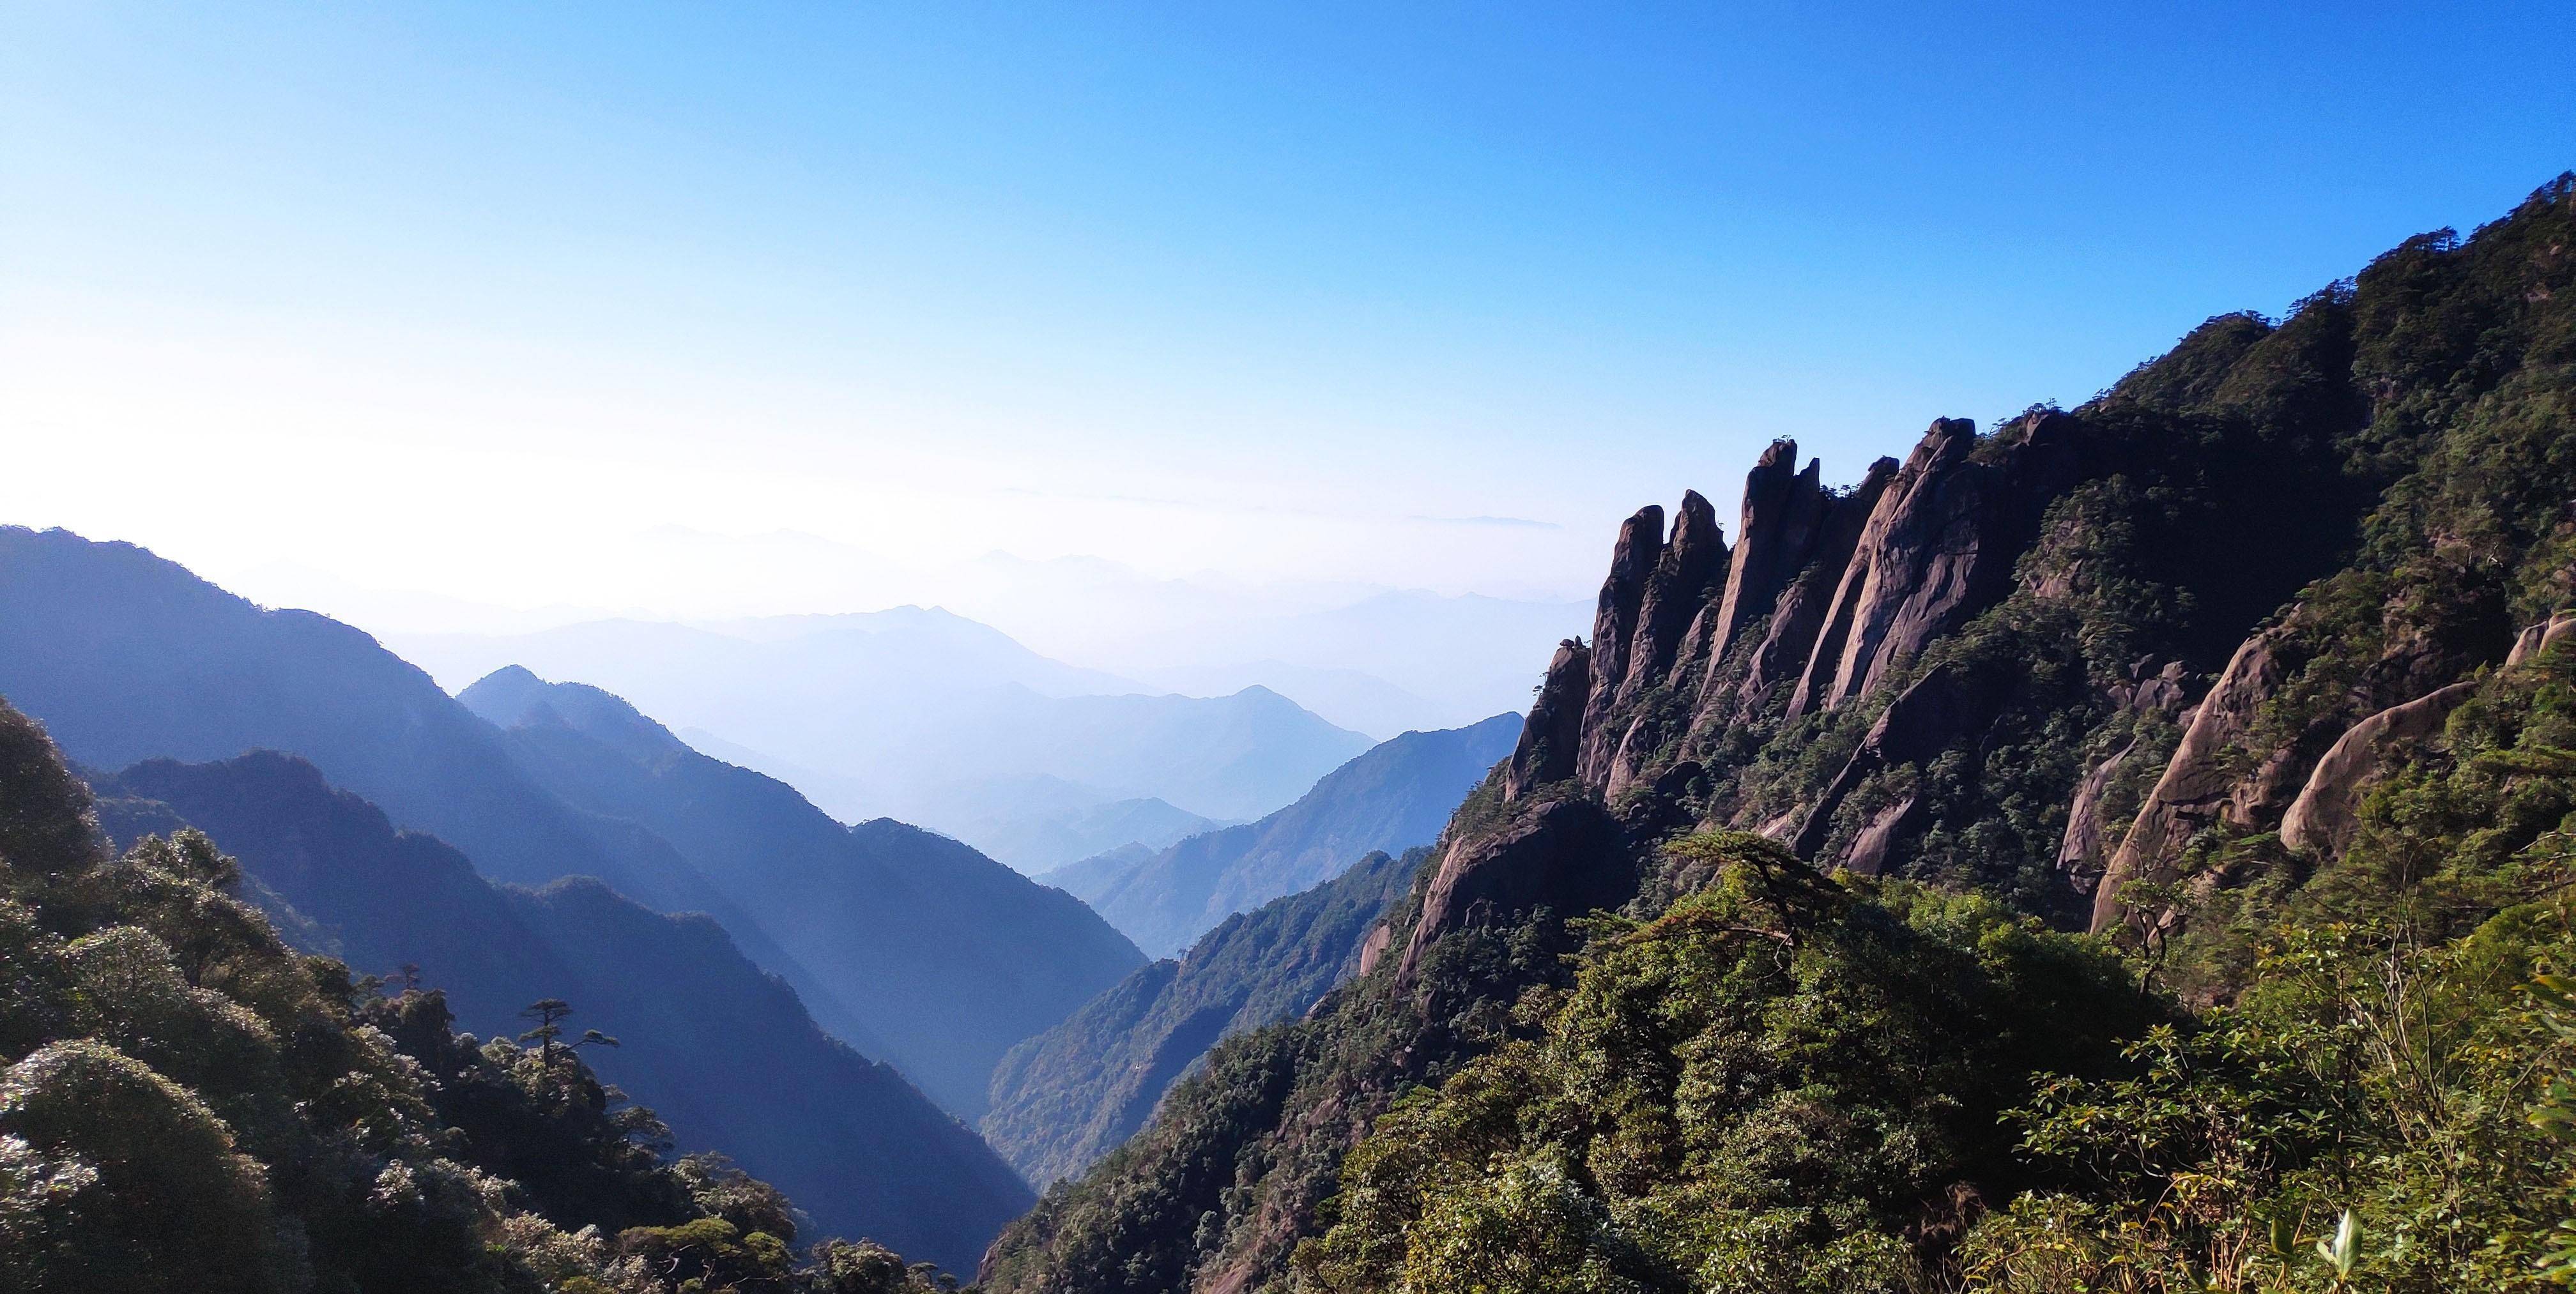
x=460 y=298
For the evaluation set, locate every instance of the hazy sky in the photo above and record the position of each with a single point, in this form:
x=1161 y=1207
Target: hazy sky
x=466 y=298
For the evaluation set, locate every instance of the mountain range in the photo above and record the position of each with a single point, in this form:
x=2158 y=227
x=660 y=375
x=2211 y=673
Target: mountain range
x=944 y=956
x=936 y=720
x=1391 y=798
x=1066 y=1097
x=722 y=1052
x=937 y=958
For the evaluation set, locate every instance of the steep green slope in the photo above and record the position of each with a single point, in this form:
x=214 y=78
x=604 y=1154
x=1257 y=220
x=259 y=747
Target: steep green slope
x=724 y=1053
x=1760 y=1089
x=188 y=1105
x=2254 y=663
x=1393 y=797
x=1068 y=1096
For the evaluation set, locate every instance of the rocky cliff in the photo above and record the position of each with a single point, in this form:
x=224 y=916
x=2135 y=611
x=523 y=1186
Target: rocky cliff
x=2086 y=664
x=2216 y=598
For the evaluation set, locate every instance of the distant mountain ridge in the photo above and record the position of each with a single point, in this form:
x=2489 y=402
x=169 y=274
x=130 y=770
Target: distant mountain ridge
x=1070 y=1095
x=715 y=1046
x=128 y=657
x=1393 y=797
x=945 y=955
x=911 y=713
x=1036 y=824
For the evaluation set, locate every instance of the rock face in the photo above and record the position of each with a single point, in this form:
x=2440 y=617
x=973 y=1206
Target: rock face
x=1564 y=854
x=1552 y=736
x=1798 y=614
x=2325 y=815
x=1938 y=548
x=2221 y=774
x=2081 y=848
x=2197 y=787
x=1921 y=721
x=1675 y=594
x=1784 y=510
x=2091 y=829
x=1823 y=594
x=2541 y=637
x=1614 y=628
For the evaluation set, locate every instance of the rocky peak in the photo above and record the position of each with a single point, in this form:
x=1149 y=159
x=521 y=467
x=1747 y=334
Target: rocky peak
x=1552 y=735
x=1798 y=615
x=1614 y=624
x=1694 y=557
x=1938 y=547
x=1783 y=513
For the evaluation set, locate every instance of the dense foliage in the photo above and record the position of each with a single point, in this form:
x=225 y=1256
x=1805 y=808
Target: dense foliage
x=189 y=1105
x=1758 y=1090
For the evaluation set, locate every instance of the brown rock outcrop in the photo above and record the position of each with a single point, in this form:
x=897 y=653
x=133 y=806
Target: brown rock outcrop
x=1801 y=614
x=2326 y=814
x=1552 y=736
x=1798 y=616
x=2197 y=787
x=1938 y=548
x=1878 y=837
x=1614 y=627
x=1784 y=511
x=1563 y=854
x=2083 y=849
x=2080 y=848
x=2541 y=637
x=1693 y=559
x=1923 y=720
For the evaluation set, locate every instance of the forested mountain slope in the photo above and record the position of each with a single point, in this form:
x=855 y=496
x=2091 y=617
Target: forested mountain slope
x=946 y=956
x=1070 y=1095
x=725 y=1054
x=2255 y=664
x=1392 y=797
x=187 y=1105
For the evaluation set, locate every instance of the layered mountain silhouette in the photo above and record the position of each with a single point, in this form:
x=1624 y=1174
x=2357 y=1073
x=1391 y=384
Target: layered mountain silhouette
x=1393 y=797
x=1070 y=1095
x=947 y=957
x=721 y=1050
x=931 y=718
x=1040 y=823
x=127 y=657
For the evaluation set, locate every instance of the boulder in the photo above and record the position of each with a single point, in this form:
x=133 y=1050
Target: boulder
x=2541 y=637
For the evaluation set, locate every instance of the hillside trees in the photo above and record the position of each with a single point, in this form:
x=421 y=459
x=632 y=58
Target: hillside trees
x=186 y=1104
